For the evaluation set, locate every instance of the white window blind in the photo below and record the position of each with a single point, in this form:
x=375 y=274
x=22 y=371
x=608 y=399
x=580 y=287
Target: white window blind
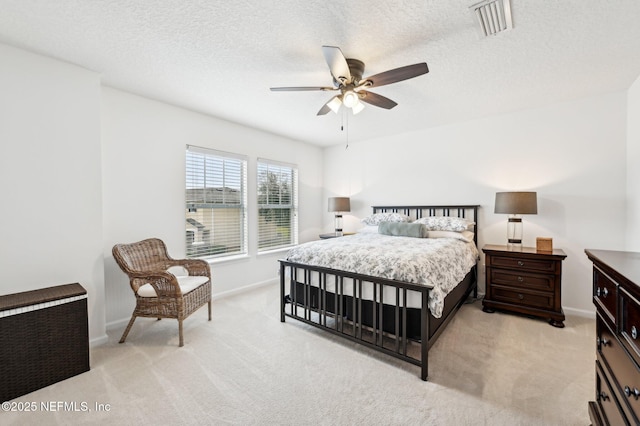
x=216 y=200
x=277 y=205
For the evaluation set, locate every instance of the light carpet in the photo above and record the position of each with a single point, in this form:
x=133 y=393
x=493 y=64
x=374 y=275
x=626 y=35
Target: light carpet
x=246 y=367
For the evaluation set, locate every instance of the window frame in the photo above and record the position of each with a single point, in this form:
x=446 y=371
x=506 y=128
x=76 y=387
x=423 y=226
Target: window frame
x=292 y=206
x=235 y=178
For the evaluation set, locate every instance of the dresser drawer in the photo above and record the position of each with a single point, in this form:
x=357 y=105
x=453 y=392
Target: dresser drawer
x=522 y=279
x=605 y=294
x=630 y=323
x=541 y=265
x=623 y=369
x=522 y=298
x=606 y=399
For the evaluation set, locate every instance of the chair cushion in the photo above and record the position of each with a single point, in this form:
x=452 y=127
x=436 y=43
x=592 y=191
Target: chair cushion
x=186 y=283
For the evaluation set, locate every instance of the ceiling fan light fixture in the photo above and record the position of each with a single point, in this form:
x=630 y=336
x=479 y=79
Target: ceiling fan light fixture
x=334 y=104
x=350 y=99
x=357 y=107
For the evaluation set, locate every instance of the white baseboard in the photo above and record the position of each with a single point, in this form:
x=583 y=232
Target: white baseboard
x=98 y=341
x=244 y=289
x=580 y=312
x=121 y=323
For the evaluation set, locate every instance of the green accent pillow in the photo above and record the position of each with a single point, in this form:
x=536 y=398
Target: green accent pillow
x=401 y=229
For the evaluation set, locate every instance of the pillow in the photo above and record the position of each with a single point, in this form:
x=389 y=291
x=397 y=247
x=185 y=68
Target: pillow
x=368 y=229
x=377 y=218
x=446 y=223
x=466 y=236
x=400 y=229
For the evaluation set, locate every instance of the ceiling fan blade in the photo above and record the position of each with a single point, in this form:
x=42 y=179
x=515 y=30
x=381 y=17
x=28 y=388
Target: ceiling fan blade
x=395 y=75
x=324 y=110
x=300 y=89
x=337 y=64
x=376 y=100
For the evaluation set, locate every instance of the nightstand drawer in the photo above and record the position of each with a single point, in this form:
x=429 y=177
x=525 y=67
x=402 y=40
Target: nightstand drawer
x=523 y=263
x=522 y=298
x=510 y=278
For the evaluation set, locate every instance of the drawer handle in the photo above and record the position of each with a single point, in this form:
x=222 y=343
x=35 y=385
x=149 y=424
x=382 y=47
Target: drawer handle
x=635 y=392
x=634 y=332
x=602 y=341
x=605 y=292
x=598 y=291
x=520 y=279
x=603 y=396
x=520 y=263
x=520 y=296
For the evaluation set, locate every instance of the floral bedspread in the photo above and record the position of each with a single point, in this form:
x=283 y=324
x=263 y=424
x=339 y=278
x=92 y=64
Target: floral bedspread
x=440 y=263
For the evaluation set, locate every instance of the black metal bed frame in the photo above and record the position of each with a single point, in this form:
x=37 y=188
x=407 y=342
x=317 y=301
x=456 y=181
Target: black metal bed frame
x=367 y=321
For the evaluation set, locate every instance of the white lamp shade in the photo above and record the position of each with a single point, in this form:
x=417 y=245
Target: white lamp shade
x=334 y=104
x=350 y=99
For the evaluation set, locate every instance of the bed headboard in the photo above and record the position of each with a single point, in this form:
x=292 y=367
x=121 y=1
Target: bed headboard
x=469 y=212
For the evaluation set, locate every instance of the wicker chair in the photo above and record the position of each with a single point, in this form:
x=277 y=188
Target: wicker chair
x=159 y=293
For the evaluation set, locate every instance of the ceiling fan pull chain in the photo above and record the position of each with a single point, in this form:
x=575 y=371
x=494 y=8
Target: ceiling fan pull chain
x=345 y=117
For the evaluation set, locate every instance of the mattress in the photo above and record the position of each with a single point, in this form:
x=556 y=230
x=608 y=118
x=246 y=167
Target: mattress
x=438 y=263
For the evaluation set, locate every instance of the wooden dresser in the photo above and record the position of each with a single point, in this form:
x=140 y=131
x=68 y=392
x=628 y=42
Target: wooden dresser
x=524 y=281
x=616 y=294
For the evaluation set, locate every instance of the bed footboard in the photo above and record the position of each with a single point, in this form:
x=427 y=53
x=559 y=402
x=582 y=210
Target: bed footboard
x=332 y=300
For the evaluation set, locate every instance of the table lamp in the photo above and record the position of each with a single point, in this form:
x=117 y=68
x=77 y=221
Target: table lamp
x=515 y=204
x=339 y=205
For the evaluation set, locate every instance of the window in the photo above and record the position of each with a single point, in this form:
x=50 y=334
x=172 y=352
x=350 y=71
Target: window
x=277 y=205
x=216 y=200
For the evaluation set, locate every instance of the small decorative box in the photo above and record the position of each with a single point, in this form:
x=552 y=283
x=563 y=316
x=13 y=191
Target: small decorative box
x=544 y=245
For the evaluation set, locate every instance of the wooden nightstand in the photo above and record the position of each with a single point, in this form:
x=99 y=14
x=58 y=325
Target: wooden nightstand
x=333 y=235
x=524 y=281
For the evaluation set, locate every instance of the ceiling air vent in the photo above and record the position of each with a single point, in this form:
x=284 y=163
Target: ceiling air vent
x=494 y=16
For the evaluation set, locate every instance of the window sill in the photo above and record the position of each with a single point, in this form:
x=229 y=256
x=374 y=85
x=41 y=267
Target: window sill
x=226 y=259
x=274 y=251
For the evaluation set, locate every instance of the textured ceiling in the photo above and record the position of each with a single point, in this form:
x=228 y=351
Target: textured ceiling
x=221 y=57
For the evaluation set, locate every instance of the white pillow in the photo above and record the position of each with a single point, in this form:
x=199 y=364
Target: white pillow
x=377 y=218
x=446 y=223
x=368 y=229
x=466 y=236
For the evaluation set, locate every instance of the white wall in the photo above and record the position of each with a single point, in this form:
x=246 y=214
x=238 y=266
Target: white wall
x=633 y=167
x=51 y=210
x=143 y=183
x=572 y=154
x=60 y=217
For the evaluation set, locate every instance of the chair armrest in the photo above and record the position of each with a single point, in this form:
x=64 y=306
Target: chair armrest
x=164 y=283
x=196 y=267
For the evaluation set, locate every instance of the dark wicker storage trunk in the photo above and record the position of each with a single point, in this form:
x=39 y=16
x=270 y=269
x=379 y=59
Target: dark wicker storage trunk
x=44 y=338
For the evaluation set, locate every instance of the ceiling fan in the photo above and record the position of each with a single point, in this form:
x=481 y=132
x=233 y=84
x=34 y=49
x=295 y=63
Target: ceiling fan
x=347 y=79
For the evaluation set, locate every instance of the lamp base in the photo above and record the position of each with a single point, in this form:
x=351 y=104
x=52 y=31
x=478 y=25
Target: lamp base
x=338 y=226
x=514 y=232
x=512 y=245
